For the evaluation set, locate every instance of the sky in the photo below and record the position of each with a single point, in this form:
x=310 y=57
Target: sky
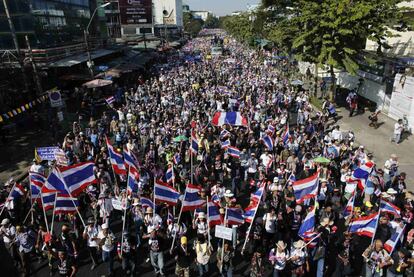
x=219 y=7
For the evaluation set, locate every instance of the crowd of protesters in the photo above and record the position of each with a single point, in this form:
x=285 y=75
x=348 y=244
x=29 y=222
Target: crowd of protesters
x=179 y=100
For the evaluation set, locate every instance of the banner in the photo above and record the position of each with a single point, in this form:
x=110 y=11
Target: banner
x=135 y=11
x=46 y=153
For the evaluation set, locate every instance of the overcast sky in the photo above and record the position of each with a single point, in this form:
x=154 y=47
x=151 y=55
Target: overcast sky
x=219 y=7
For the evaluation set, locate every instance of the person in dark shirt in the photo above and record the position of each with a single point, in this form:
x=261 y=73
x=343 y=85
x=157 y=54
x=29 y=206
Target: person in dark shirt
x=383 y=232
x=399 y=263
x=184 y=257
x=65 y=265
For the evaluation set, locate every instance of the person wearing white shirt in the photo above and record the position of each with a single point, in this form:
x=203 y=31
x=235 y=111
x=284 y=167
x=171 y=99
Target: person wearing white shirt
x=107 y=242
x=398 y=129
x=269 y=221
x=265 y=158
x=90 y=234
x=337 y=134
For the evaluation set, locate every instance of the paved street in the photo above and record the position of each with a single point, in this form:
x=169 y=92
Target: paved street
x=378 y=141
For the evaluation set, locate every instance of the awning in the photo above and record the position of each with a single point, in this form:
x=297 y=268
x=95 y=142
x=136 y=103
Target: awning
x=97 y=83
x=81 y=58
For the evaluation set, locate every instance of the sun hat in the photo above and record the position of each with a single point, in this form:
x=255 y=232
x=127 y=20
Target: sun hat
x=391 y=191
x=201 y=215
x=5 y=221
x=149 y=210
x=280 y=244
x=228 y=193
x=299 y=244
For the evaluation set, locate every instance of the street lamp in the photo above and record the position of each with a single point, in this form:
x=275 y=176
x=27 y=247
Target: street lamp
x=86 y=34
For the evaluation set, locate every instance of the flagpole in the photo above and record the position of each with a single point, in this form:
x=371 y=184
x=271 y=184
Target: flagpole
x=251 y=223
x=44 y=212
x=376 y=226
x=208 y=224
x=153 y=196
x=71 y=198
x=173 y=181
x=7 y=199
x=178 y=221
x=222 y=246
x=29 y=212
x=123 y=223
x=53 y=214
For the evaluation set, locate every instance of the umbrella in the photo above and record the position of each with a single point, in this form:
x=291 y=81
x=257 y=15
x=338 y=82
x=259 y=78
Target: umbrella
x=97 y=83
x=321 y=160
x=297 y=83
x=180 y=138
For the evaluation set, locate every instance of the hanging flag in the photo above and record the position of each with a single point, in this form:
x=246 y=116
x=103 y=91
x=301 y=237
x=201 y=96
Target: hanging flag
x=233 y=151
x=306 y=188
x=390 y=208
x=225 y=144
x=194 y=143
x=110 y=100
x=129 y=158
x=116 y=159
x=250 y=211
x=78 y=177
x=177 y=158
x=65 y=204
x=390 y=244
x=164 y=193
x=36 y=181
x=18 y=192
x=214 y=217
x=307 y=229
x=268 y=142
x=145 y=202
x=285 y=135
x=48 y=198
x=224 y=134
x=364 y=226
x=132 y=183
x=169 y=175
x=192 y=198
x=231 y=118
x=361 y=174
x=234 y=216
x=349 y=206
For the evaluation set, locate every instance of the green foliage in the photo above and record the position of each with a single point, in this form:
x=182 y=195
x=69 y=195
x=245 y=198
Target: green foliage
x=192 y=25
x=211 y=22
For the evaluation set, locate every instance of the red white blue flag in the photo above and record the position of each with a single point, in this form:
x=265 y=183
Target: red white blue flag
x=306 y=188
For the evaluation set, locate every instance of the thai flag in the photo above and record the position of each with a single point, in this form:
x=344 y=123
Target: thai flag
x=364 y=226
x=116 y=159
x=270 y=129
x=268 y=142
x=285 y=135
x=362 y=173
x=169 y=175
x=214 y=217
x=170 y=216
x=390 y=244
x=224 y=134
x=194 y=143
x=55 y=181
x=110 y=100
x=234 y=216
x=233 y=151
x=216 y=199
x=257 y=196
x=129 y=158
x=164 y=193
x=306 y=188
x=18 y=191
x=231 y=118
x=225 y=144
x=307 y=229
x=48 y=198
x=390 y=208
x=65 y=204
x=78 y=177
x=132 y=183
x=349 y=206
x=36 y=183
x=145 y=202
x=192 y=199
x=250 y=212
x=177 y=158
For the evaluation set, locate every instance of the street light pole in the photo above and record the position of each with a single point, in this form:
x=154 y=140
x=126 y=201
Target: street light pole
x=86 y=34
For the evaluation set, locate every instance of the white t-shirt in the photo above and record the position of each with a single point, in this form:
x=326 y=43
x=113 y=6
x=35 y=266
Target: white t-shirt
x=92 y=233
x=265 y=158
x=398 y=128
x=109 y=243
x=270 y=223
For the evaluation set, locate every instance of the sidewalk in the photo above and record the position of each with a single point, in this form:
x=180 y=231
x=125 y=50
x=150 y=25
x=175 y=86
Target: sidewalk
x=378 y=142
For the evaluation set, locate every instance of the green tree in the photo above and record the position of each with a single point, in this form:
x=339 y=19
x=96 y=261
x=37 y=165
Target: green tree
x=211 y=22
x=192 y=25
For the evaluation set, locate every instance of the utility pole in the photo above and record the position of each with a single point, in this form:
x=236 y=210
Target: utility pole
x=36 y=74
x=90 y=62
x=16 y=44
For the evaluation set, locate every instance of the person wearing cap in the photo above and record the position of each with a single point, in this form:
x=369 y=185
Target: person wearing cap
x=200 y=224
x=90 y=234
x=184 y=256
x=151 y=219
x=278 y=257
x=203 y=253
x=8 y=233
x=299 y=259
x=107 y=244
x=156 y=244
x=377 y=259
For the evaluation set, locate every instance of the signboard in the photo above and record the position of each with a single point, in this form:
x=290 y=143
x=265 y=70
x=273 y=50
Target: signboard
x=223 y=232
x=46 y=153
x=55 y=99
x=169 y=18
x=135 y=11
x=117 y=204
